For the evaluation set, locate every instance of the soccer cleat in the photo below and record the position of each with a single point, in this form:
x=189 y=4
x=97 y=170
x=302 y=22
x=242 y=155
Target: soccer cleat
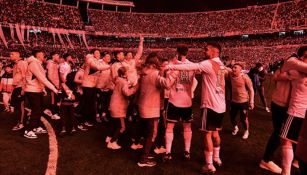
x=160 y=150
x=113 y=145
x=63 y=132
x=147 y=163
x=245 y=135
x=136 y=146
x=39 y=130
x=48 y=112
x=88 y=124
x=270 y=166
x=82 y=128
x=235 y=130
x=73 y=130
x=295 y=164
x=55 y=117
x=105 y=119
x=217 y=161
x=19 y=126
x=208 y=169
x=187 y=155
x=166 y=157
x=98 y=119
x=30 y=135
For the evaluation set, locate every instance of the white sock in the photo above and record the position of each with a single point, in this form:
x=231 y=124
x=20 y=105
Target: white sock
x=216 y=152
x=187 y=136
x=287 y=158
x=169 y=136
x=208 y=157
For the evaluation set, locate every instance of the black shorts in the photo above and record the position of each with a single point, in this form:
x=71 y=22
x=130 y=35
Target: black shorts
x=291 y=128
x=211 y=120
x=17 y=98
x=176 y=114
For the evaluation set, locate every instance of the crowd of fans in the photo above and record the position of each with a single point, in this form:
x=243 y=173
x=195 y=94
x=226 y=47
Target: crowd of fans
x=260 y=47
x=293 y=14
x=41 y=14
x=253 y=19
x=191 y=24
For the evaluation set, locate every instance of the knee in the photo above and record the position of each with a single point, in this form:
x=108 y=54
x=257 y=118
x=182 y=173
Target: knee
x=187 y=127
x=169 y=128
x=215 y=135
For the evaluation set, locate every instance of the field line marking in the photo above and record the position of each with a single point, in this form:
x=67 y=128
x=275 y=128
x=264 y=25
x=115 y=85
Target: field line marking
x=53 y=149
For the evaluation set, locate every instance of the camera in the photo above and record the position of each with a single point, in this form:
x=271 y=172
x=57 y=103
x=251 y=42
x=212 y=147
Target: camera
x=275 y=65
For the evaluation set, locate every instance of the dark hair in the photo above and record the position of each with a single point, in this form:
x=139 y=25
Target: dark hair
x=117 y=52
x=66 y=55
x=36 y=51
x=163 y=60
x=258 y=65
x=301 y=51
x=104 y=53
x=152 y=59
x=121 y=71
x=215 y=45
x=238 y=64
x=182 y=50
x=93 y=50
x=127 y=53
x=54 y=53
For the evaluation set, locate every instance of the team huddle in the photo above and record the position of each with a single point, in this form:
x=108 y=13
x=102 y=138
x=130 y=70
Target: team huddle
x=156 y=94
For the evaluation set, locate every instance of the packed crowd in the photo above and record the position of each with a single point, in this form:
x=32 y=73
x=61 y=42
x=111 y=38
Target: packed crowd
x=255 y=19
x=49 y=15
x=192 y=24
x=156 y=93
x=258 y=48
x=294 y=14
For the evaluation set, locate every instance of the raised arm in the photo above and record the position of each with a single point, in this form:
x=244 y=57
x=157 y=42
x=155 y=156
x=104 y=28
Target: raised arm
x=139 y=52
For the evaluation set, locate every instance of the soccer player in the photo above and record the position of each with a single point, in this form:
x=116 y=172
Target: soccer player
x=179 y=107
x=213 y=103
x=296 y=111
